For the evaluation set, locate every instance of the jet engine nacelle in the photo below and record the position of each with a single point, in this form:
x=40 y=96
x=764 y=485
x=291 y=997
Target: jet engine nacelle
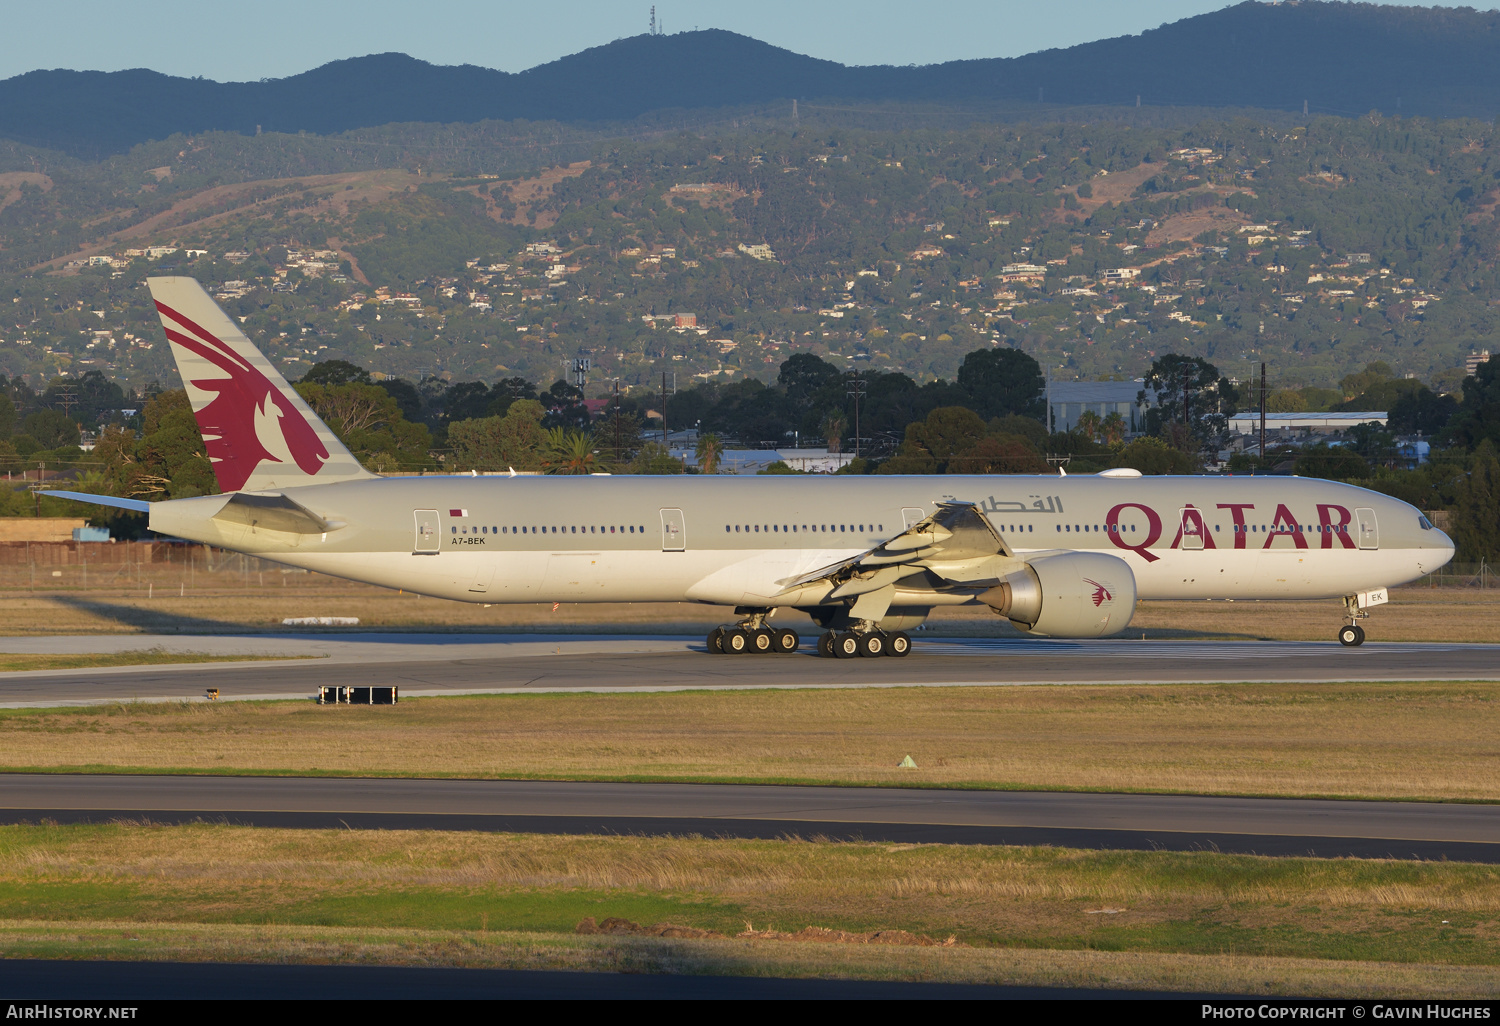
x=1070 y=595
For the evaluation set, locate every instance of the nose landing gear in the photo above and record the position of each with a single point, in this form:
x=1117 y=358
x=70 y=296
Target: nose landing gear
x=1352 y=634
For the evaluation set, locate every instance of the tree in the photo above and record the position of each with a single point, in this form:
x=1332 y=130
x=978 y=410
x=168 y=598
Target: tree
x=1003 y=381
x=998 y=455
x=368 y=420
x=1153 y=456
x=833 y=426
x=1478 y=416
x=1335 y=463
x=564 y=403
x=514 y=441
x=335 y=372
x=1476 y=524
x=654 y=458
x=466 y=400
x=51 y=428
x=709 y=451
x=804 y=375
x=1090 y=424
x=1421 y=410
x=932 y=442
x=570 y=452
x=507 y=391
x=1187 y=390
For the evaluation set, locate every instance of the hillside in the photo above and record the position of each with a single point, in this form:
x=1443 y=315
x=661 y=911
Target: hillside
x=1338 y=57
x=1094 y=248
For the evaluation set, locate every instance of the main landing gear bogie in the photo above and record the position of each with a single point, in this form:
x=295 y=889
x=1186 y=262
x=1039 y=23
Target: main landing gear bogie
x=851 y=645
x=751 y=640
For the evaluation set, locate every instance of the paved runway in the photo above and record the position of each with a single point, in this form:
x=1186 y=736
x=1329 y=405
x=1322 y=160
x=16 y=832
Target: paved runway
x=1269 y=826
x=436 y=664
x=38 y=980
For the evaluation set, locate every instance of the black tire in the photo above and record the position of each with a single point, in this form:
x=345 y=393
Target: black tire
x=762 y=640
x=846 y=646
x=786 y=641
x=825 y=644
x=871 y=645
x=716 y=641
x=1361 y=631
x=1350 y=635
x=736 y=641
x=898 y=644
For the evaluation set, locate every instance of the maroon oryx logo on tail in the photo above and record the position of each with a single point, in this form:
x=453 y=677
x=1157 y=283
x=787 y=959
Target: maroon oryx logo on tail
x=249 y=421
x=1101 y=593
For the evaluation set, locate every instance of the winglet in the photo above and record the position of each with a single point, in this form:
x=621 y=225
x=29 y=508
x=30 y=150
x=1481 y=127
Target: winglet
x=258 y=431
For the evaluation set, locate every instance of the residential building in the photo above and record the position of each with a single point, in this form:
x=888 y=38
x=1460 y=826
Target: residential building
x=1067 y=401
x=1472 y=362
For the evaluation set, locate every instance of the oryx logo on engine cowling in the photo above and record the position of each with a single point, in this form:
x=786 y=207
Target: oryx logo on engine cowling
x=1101 y=593
x=248 y=421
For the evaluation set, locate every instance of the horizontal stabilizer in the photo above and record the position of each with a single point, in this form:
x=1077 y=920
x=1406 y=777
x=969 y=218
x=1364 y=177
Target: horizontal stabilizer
x=134 y=505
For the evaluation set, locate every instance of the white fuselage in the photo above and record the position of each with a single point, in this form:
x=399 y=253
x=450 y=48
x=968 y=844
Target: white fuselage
x=730 y=540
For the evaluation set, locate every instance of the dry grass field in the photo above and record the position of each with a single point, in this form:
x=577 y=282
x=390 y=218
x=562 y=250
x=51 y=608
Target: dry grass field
x=1142 y=920
x=250 y=602
x=1416 y=741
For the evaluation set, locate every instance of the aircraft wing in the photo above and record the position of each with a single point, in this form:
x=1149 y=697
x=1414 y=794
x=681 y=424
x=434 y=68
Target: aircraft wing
x=957 y=545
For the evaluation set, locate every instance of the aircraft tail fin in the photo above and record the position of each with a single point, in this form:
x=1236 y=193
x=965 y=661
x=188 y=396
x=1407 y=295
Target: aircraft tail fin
x=258 y=431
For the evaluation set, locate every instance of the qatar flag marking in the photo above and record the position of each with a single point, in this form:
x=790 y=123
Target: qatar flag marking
x=458 y=512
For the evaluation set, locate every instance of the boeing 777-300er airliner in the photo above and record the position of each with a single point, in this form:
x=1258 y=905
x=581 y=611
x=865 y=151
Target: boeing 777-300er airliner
x=868 y=558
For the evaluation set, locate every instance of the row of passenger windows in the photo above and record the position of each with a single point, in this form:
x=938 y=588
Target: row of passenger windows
x=572 y=529
x=793 y=528
x=1246 y=528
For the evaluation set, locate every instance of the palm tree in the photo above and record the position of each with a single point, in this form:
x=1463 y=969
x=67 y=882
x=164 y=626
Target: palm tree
x=710 y=451
x=1089 y=424
x=570 y=452
x=833 y=430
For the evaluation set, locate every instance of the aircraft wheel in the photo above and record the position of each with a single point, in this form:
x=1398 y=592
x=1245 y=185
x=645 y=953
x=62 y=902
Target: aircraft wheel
x=736 y=641
x=762 y=640
x=1350 y=635
x=1361 y=630
x=871 y=644
x=825 y=644
x=716 y=641
x=845 y=646
x=786 y=641
x=897 y=644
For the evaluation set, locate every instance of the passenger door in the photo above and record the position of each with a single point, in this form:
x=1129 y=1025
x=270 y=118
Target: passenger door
x=428 y=542
x=1369 y=530
x=1192 y=528
x=673 y=531
x=912 y=515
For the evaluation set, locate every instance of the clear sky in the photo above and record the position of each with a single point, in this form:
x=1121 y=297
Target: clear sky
x=250 y=39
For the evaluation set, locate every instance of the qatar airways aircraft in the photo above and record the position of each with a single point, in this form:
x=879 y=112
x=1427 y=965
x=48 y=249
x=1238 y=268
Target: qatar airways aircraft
x=868 y=558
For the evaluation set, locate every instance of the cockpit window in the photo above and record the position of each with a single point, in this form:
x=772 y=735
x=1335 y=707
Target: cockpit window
x=1426 y=524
